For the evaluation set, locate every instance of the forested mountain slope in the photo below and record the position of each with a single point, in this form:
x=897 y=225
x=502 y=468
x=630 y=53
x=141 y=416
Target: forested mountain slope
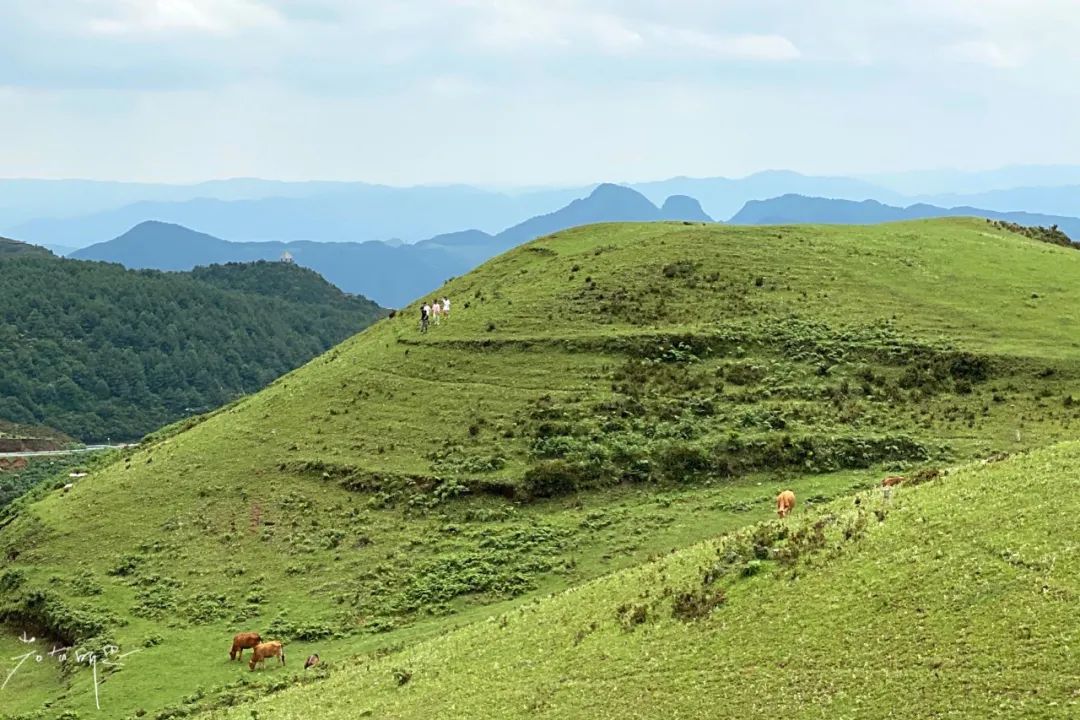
x=98 y=351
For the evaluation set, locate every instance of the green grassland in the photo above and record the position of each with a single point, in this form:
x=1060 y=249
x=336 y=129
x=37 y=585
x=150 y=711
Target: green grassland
x=923 y=605
x=598 y=398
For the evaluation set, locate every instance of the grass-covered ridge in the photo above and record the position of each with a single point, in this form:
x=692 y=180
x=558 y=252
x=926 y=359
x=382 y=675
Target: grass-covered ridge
x=597 y=397
x=953 y=599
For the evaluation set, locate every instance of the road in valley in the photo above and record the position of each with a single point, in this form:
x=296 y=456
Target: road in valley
x=46 y=453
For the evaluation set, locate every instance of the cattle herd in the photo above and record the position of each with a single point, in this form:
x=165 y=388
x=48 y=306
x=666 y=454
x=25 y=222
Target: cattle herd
x=259 y=650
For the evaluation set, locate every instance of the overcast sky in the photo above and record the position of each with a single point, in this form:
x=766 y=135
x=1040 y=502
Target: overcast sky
x=532 y=91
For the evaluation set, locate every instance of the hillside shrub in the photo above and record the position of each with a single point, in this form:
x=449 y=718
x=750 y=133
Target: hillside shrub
x=697 y=604
x=550 y=478
x=65 y=623
x=681 y=461
x=680 y=269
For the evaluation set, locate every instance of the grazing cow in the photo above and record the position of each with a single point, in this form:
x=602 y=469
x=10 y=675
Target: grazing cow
x=243 y=641
x=68 y=487
x=312 y=661
x=893 y=480
x=785 y=502
x=266 y=650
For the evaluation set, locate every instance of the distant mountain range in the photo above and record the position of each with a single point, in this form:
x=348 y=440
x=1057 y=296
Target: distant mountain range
x=390 y=274
x=353 y=213
x=723 y=197
x=792 y=209
x=929 y=183
x=68 y=214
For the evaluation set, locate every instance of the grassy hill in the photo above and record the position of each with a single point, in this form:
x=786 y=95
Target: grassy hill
x=923 y=604
x=98 y=351
x=598 y=398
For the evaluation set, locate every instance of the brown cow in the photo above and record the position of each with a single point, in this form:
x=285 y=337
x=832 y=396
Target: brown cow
x=893 y=480
x=785 y=502
x=266 y=650
x=243 y=641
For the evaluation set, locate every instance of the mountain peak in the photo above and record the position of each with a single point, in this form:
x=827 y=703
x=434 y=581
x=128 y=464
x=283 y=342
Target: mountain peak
x=611 y=191
x=683 y=207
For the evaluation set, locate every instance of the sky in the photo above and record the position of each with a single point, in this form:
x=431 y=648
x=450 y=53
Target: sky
x=531 y=92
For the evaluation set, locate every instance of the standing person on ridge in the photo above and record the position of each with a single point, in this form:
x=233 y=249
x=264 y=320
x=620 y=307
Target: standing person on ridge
x=425 y=313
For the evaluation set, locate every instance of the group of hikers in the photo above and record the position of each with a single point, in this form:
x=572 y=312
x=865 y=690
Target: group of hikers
x=434 y=311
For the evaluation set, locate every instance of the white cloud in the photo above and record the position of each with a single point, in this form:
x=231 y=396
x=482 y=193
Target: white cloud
x=983 y=52
x=590 y=88
x=514 y=26
x=745 y=47
x=123 y=17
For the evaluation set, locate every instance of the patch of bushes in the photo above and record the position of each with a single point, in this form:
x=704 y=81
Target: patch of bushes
x=697 y=604
x=630 y=616
x=1052 y=234
x=550 y=478
x=206 y=607
x=678 y=461
x=306 y=630
x=680 y=269
x=68 y=624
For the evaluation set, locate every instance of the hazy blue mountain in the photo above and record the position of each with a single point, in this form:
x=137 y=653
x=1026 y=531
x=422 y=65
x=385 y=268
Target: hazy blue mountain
x=683 y=207
x=392 y=274
x=925 y=183
x=1060 y=200
x=22 y=200
x=348 y=213
x=607 y=203
x=722 y=197
x=795 y=209
x=77 y=213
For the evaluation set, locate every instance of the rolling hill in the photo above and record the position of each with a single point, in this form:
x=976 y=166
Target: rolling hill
x=800 y=209
x=914 y=605
x=389 y=274
x=598 y=398
x=101 y=352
